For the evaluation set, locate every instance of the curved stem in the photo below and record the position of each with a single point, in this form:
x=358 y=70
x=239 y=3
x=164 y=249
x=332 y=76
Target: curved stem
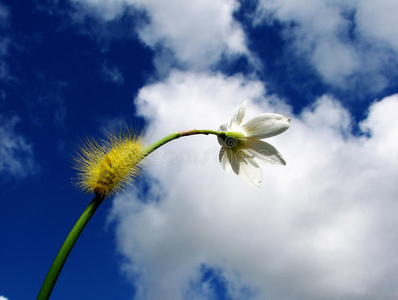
x=74 y=234
x=66 y=248
x=178 y=134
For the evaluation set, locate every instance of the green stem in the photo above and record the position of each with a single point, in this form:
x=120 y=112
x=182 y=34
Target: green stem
x=178 y=134
x=66 y=248
x=71 y=239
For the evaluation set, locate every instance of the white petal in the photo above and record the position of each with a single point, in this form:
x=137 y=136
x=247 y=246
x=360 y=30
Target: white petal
x=234 y=159
x=224 y=127
x=264 y=152
x=266 y=125
x=223 y=157
x=238 y=116
x=250 y=172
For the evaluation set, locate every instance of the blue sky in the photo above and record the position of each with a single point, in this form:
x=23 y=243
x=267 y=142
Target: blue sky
x=321 y=227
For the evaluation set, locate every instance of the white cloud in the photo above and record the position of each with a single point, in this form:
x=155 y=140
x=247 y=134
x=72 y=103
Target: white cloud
x=16 y=154
x=338 y=38
x=198 y=33
x=208 y=30
x=108 y=9
x=323 y=227
x=384 y=25
x=3 y=298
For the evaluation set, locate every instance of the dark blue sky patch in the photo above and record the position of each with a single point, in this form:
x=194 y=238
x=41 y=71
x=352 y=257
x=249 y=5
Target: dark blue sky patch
x=213 y=284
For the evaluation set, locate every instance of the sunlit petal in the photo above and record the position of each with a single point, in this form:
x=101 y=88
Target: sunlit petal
x=265 y=126
x=250 y=172
x=238 y=116
x=264 y=152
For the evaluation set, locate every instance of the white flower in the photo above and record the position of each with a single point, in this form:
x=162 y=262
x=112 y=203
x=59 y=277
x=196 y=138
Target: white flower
x=242 y=145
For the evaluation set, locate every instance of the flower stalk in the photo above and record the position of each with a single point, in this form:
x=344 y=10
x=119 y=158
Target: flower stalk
x=108 y=167
x=178 y=134
x=81 y=223
x=66 y=248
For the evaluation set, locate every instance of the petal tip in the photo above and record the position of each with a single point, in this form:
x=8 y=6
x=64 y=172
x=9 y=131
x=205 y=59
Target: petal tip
x=238 y=115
